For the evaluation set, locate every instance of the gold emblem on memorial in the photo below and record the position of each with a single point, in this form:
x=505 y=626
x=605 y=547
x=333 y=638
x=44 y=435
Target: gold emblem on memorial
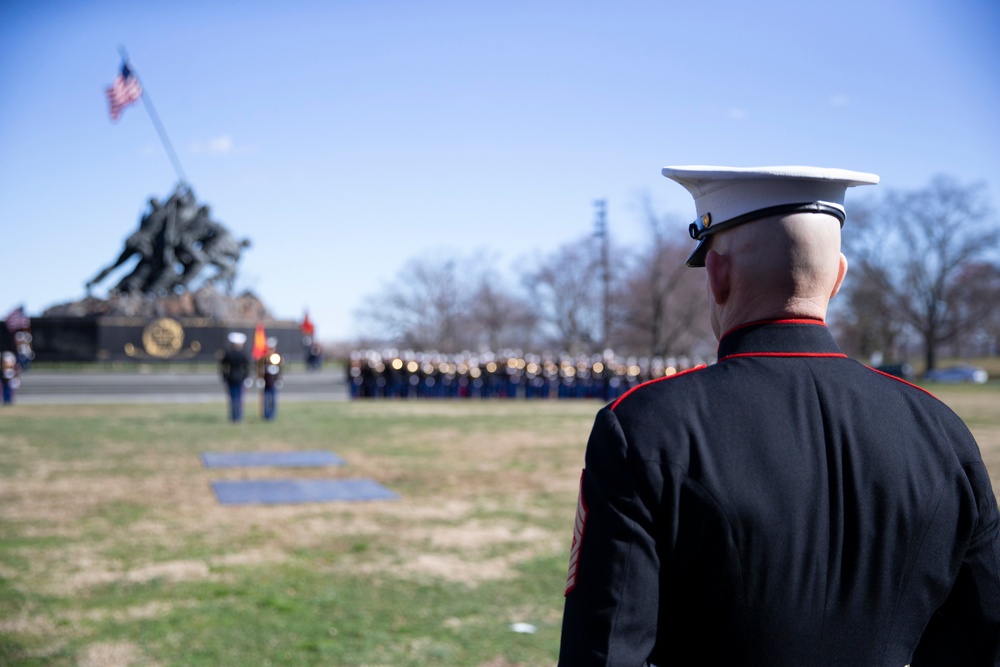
x=163 y=338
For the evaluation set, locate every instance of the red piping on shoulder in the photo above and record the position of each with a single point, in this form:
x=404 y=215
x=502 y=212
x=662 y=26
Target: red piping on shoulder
x=649 y=382
x=899 y=379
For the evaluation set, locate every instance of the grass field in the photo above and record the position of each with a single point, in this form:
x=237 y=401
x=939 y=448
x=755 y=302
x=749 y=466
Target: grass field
x=114 y=551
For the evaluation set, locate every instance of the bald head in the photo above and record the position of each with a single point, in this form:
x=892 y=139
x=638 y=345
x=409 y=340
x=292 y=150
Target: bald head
x=778 y=267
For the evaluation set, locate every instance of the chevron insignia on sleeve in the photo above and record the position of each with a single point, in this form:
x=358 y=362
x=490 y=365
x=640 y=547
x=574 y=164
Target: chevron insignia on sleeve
x=579 y=526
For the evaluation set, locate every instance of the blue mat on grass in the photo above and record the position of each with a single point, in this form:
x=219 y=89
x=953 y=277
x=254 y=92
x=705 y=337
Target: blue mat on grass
x=281 y=491
x=263 y=459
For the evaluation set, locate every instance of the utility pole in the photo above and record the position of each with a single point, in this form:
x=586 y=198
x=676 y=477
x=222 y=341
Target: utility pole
x=602 y=233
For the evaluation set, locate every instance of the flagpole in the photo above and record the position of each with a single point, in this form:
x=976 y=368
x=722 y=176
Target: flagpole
x=155 y=118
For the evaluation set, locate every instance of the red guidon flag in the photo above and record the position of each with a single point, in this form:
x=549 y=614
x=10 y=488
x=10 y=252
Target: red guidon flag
x=308 y=329
x=259 y=342
x=123 y=91
x=579 y=526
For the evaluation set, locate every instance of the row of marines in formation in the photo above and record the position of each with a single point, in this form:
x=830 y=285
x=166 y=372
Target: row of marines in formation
x=509 y=374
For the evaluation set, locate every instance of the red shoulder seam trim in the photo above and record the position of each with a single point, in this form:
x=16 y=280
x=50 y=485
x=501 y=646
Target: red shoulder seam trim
x=899 y=379
x=649 y=382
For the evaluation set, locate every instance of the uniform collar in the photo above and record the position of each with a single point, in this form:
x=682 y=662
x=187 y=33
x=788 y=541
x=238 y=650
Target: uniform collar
x=804 y=337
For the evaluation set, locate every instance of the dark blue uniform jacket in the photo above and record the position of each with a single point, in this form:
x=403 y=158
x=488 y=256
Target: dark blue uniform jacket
x=785 y=506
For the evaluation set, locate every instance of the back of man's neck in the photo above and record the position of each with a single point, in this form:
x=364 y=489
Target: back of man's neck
x=793 y=310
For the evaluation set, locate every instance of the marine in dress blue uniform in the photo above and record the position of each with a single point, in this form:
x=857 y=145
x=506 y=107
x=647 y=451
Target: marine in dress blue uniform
x=235 y=368
x=269 y=372
x=785 y=505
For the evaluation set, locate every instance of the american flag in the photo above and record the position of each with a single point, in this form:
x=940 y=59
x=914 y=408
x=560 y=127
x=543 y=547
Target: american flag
x=124 y=91
x=17 y=320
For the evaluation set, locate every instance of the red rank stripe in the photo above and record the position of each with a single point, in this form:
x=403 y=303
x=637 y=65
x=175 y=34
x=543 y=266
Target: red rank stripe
x=579 y=526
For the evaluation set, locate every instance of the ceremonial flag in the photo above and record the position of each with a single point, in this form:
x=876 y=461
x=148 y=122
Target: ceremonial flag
x=123 y=91
x=259 y=343
x=17 y=320
x=307 y=326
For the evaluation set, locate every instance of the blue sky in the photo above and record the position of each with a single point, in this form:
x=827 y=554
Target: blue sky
x=345 y=138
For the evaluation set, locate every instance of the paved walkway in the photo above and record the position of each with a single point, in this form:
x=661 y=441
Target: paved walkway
x=51 y=387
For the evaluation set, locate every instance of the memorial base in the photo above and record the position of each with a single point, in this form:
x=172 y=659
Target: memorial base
x=151 y=340
x=189 y=326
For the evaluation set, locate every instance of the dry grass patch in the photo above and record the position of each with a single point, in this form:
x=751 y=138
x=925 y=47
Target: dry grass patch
x=158 y=498
x=113 y=654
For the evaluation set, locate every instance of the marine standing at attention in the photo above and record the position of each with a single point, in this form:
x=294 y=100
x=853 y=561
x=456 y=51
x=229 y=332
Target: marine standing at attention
x=786 y=506
x=235 y=367
x=269 y=373
x=10 y=376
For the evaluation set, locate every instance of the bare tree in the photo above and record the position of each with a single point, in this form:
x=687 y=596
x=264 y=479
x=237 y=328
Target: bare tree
x=664 y=302
x=565 y=291
x=981 y=283
x=866 y=316
x=423 y=308
x=449 y=304
x=502 y=318
x=910 y=255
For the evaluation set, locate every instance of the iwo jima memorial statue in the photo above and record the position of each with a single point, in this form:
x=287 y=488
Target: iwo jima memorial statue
x=175 y=304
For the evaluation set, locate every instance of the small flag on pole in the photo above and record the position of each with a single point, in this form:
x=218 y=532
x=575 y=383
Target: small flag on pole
x=17 y=321
x=308 y=329
x=124 y=91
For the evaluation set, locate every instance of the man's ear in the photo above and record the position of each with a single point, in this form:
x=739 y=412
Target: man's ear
x=718 y=269
x=841 y=272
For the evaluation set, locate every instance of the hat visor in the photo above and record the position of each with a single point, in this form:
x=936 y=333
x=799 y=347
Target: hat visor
x=697 y=258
